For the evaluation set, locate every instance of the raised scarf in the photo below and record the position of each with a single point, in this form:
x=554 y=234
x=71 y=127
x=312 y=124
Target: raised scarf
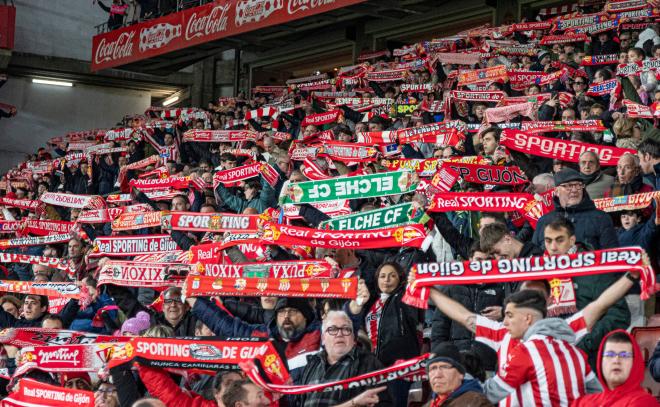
x=145 y=275
x=73 y=201
x=287 y=236
x=492 y=74
x=355 y=187
x=199 y=286
x=278 y=269
x=21 y=337
x=34 y=241
x=617 y=260
x=136 y=220
x=479 y=201
x=31 y=393
x=620 y=202
x=411 y=369
x=206 y=355
x=245 y=172
x=209 y=222
x=26 y=204
x=489 y=174
x=564 y=150
x=390 y=216
x=50 y=289
x=122 y=246
x=218 y=136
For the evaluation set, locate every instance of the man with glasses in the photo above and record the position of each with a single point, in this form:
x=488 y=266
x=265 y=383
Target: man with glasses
x=592 y=227
x=579 y=86
x=176 y=314
x=341 y=359
x=621 y=372
x=451 y=384
x=106 y=395
x=625 y=41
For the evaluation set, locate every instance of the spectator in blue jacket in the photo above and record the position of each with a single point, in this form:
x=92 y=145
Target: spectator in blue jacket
x=634 y=232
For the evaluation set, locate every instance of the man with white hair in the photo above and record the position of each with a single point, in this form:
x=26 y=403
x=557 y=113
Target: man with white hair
x=596 y=181
x=341 y=359
x=629 y=179
x=543 y=183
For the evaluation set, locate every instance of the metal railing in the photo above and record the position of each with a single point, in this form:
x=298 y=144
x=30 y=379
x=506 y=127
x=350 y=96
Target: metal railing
x=180 y=5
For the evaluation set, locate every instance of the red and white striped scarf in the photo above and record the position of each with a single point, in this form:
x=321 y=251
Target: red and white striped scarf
x=373 y=320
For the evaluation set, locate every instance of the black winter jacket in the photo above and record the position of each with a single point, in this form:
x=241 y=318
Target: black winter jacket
x=475 y=298
x=397 y=329
x=592 y=227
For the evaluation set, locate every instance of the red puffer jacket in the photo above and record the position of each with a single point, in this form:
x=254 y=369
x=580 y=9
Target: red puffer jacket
x=162 y=387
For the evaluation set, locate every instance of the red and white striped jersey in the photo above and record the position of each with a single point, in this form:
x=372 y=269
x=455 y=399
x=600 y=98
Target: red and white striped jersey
x=494 y=335
x=545 y=371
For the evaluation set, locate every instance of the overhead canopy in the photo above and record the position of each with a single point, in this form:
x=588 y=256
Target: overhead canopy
x=169 y=43
x=200 y=25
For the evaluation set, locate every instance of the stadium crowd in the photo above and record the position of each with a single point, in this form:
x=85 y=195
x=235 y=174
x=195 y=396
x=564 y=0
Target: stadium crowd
x=464 y=221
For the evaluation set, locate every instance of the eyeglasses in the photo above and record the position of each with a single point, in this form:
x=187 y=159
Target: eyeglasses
x=107 y=391
x=579 y=83
x=575 y=186
x=172 y=301
x=440 y=366
x=288 y=311
x=334 y=330
x=77 y=383
x=621 y=355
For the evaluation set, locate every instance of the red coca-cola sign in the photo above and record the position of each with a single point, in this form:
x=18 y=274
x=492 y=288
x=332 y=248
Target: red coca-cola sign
x=199 y=25
x=7 y=24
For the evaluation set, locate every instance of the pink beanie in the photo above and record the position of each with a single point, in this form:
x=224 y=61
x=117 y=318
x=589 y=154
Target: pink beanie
x=141 y=322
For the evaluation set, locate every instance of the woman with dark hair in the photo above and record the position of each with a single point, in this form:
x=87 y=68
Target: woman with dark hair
x=392 y=326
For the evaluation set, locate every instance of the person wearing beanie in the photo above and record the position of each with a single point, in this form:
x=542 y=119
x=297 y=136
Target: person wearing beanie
x=76 y=380
x=592 y=226
x=451 y=384
x=295 y=329
x=136 y=325
x=542 y=60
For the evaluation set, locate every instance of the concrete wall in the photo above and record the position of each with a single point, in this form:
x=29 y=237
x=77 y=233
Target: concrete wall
x=61 y=28
x=46 y=111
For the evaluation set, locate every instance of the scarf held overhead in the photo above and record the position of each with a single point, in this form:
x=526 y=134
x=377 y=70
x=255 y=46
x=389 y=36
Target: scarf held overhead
x=361 y=186
x=530 y=268
x=564 y=150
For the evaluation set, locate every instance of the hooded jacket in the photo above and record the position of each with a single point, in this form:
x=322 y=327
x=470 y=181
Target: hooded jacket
x=521 y=367
x=629 y=393
x=592 y=227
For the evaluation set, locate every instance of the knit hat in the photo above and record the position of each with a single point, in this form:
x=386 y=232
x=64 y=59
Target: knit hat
x=447 y=352
x=542 y=54
x=141 y=322
x=567 y=175
x=66 y=376
x=301 y=304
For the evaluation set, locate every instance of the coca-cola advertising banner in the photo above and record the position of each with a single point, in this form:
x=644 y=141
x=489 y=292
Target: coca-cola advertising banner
x=199 y=25
x=7 y=24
